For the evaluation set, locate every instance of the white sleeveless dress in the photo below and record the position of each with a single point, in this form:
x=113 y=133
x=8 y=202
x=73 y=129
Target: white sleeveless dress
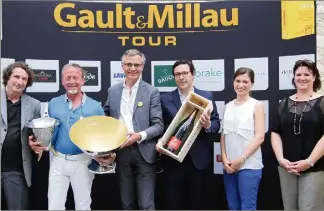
x=238 y=129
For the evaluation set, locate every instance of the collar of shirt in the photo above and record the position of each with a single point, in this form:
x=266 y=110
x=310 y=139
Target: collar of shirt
x=11 y=103
x=134 y=87
x=182 y=97
x=84 y=97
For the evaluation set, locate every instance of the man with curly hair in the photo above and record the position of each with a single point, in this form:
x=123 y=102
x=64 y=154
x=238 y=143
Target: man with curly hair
x=17 y=109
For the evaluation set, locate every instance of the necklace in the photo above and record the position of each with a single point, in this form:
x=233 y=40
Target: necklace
x=301 y=115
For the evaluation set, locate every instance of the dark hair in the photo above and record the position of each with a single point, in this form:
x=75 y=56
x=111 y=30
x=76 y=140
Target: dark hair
x=244 y=70
x=184 y=61
x=312 y=67
x=6 y=73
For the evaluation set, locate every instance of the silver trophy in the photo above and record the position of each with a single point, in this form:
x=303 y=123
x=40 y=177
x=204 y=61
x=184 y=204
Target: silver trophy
x=43 y=129
x=96 y=167
x=99 y=136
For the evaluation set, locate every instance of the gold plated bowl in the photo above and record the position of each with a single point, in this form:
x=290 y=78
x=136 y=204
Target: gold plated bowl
x=99 y=136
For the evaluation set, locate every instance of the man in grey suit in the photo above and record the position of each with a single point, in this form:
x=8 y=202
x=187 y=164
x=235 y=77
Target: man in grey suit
x=138 y=105
x=17 y=109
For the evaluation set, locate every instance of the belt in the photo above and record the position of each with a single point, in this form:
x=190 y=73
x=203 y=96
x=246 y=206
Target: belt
x=79 y=157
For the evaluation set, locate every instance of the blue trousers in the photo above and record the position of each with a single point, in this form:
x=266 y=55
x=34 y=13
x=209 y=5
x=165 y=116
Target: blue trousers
x=242 y=189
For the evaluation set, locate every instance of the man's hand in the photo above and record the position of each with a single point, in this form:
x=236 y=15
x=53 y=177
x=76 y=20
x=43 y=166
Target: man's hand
x=205 y=119
x=105 y=161
x=160 y=144
x=36 y=146
x=132 y=138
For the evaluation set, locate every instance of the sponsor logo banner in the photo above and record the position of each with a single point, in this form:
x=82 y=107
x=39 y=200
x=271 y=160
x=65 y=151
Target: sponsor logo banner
x=209 y=74
x=162 y=77
x=46 y=75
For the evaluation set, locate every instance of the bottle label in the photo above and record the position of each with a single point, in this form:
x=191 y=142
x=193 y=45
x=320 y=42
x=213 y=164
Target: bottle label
x=174 y=143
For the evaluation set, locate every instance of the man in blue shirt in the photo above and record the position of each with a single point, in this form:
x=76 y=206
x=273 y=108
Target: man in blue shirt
x=70 y=164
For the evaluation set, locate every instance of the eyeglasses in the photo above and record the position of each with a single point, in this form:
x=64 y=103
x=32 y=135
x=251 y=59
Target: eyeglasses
x=184 y=74
x=130 y=65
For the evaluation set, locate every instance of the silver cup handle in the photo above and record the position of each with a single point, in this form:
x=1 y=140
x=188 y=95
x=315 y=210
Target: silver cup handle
x=46 y=110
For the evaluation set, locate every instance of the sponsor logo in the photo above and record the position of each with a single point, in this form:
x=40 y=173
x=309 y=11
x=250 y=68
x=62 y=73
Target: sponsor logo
x=119 y=75
x=210 y=72
x=209 y=75
x=91 y=76
x=219 y=158
x=44 y=76
x=259 y=74
x=163 y=76
x=287 y=72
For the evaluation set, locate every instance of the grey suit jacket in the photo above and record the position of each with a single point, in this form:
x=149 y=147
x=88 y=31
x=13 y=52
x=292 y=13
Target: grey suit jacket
x=147 y=117
x=30 y=109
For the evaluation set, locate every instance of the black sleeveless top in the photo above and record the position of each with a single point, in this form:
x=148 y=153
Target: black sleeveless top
x=300 y=146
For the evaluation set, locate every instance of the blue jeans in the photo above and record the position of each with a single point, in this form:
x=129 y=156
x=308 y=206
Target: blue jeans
x=242 y=189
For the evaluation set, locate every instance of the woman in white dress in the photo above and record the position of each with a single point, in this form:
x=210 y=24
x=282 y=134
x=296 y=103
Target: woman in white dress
x=243 y=133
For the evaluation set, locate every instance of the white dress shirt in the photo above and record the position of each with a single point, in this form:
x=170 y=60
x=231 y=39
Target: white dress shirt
x=127 y=107
x=183 y=98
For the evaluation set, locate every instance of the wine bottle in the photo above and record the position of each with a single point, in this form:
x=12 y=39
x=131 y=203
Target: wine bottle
x=181 y=133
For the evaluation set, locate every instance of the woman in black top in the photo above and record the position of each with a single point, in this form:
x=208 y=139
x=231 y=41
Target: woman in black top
x=298 y=142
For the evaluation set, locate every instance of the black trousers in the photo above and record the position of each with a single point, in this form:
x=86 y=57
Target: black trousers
x=14 y=191
x=136 y=179
x=183 y=184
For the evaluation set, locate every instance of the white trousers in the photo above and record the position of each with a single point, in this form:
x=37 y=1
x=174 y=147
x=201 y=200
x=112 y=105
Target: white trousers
x=64 y=170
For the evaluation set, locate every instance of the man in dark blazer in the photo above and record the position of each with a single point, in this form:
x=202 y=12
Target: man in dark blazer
x=184 y=181
x=17 y=109
x=138 y=105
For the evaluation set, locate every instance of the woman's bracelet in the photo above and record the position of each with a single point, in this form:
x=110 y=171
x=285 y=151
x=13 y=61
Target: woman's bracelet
x=310 y=162
x=243 y=158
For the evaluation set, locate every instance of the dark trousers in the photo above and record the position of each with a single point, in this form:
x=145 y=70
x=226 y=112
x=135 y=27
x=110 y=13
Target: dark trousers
x=183 y=185
x=136 y=179
x=14 y=190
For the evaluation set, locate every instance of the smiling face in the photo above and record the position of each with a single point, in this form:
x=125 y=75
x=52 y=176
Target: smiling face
x=72 y=80
x=242 y=84
x=17 y=81
x=133 y=67
x=304 y=78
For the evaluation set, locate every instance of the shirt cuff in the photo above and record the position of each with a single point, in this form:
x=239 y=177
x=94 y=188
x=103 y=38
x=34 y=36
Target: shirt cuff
x=208 y=129
x=143 y=137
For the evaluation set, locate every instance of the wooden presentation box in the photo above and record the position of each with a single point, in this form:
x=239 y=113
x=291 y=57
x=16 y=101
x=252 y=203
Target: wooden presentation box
x=192 y=101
